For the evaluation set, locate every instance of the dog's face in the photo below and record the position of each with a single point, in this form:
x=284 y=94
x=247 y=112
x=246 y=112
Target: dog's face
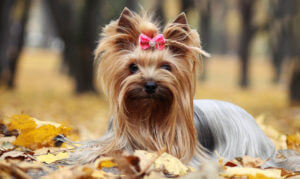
x=147 y=83
x=149 y=86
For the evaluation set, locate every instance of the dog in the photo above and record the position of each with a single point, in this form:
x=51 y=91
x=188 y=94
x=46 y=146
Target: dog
x=149 y=79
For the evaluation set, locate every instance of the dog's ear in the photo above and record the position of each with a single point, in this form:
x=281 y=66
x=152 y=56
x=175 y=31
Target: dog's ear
x=181 y=19
x=178 y=31
x=127 y=29
x=124 y=22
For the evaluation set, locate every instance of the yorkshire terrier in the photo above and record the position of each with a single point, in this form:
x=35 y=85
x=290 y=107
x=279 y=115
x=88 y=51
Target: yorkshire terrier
x=149 y=79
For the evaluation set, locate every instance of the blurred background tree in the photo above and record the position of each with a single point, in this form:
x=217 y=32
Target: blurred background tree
x=230 y=28
x=13 y=20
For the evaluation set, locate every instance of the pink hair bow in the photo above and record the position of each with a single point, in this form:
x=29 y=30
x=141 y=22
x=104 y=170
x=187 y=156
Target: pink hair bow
x=158 y=41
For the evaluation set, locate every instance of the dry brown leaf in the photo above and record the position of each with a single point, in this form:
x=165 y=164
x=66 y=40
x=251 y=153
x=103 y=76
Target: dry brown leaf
x=125 y=166
x=6 y=132
x=17 y=155
x=12 y=171
x=232 y=163
x=67 y=173
x=286 y=173
x=207 y=170
x=252 y=162
x=167 y=163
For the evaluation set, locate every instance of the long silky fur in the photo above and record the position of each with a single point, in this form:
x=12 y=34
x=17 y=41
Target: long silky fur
x=175 y=131
x=170 y=124
x=236 y=133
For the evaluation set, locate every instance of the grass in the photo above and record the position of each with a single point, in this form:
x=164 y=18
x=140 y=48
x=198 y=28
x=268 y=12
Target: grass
x=44 y=92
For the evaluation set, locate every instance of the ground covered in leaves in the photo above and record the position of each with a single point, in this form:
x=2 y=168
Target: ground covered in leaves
x=43 y=108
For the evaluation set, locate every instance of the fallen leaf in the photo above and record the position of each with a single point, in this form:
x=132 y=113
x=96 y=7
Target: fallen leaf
x=293 y=142
x=232 y=163
x=11 y=170
x=17 y=155
x=36 y=134
x=252 y=162
x=252 y=172
x=105 y=162
x=207 y=170
x=66 y=173
x=166 y=162
x=6 y=132
x=277 y=138
x=50 y=158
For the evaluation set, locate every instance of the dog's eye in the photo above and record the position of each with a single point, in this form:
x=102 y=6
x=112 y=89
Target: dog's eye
x=133 y=68
x=166 y=67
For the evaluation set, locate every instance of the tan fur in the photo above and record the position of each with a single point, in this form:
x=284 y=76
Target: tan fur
x=150 y=123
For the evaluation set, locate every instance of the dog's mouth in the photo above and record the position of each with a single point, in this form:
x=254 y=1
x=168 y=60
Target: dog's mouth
x=161 y=94
x=142 y=104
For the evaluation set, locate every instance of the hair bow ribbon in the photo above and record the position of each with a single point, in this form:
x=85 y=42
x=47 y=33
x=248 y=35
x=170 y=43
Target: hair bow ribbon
x=156 y=42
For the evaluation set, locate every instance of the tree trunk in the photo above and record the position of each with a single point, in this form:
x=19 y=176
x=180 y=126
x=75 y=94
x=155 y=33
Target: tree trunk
x=78 y=37
x=280 y=39
x=6 y=7
x=247 y=34
x=205 y=29
x=295 y=84
x=18 y=31
x=88 y=34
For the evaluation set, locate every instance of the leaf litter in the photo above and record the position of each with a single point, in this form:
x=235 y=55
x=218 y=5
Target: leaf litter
x=30 y=148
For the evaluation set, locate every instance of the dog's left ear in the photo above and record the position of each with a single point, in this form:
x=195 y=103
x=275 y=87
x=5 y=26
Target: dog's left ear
x=178 y=31
x=181 y=19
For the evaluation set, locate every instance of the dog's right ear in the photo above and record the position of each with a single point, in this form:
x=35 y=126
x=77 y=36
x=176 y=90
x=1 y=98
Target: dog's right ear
x=124 y=22
x=127 y=30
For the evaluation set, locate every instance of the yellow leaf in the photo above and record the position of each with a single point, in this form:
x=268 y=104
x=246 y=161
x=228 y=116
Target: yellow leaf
x=34 y=133
x=105 y=162
x=293 y=142
x=277 y=138
x=50 y=158
x=252 y=172
x=21 y=122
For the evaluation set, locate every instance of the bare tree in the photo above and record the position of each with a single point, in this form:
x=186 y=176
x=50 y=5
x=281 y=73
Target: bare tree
x=248 y=30
x=6 y=7
x=17 y=35
x=294 y=87
x=204 y=24
x=294 y=46
x=79 y=30
x=280 y=20
x=12 y=29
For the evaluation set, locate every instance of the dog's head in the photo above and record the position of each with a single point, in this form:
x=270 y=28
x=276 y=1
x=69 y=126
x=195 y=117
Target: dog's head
x=150 y=84
x=141 y=81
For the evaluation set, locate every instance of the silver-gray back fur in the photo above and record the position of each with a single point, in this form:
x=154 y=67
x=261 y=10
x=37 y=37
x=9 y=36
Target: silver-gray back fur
x=235 y=132
x=222 y=127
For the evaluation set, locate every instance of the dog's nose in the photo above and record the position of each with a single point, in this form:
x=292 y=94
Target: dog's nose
x=150 y=87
